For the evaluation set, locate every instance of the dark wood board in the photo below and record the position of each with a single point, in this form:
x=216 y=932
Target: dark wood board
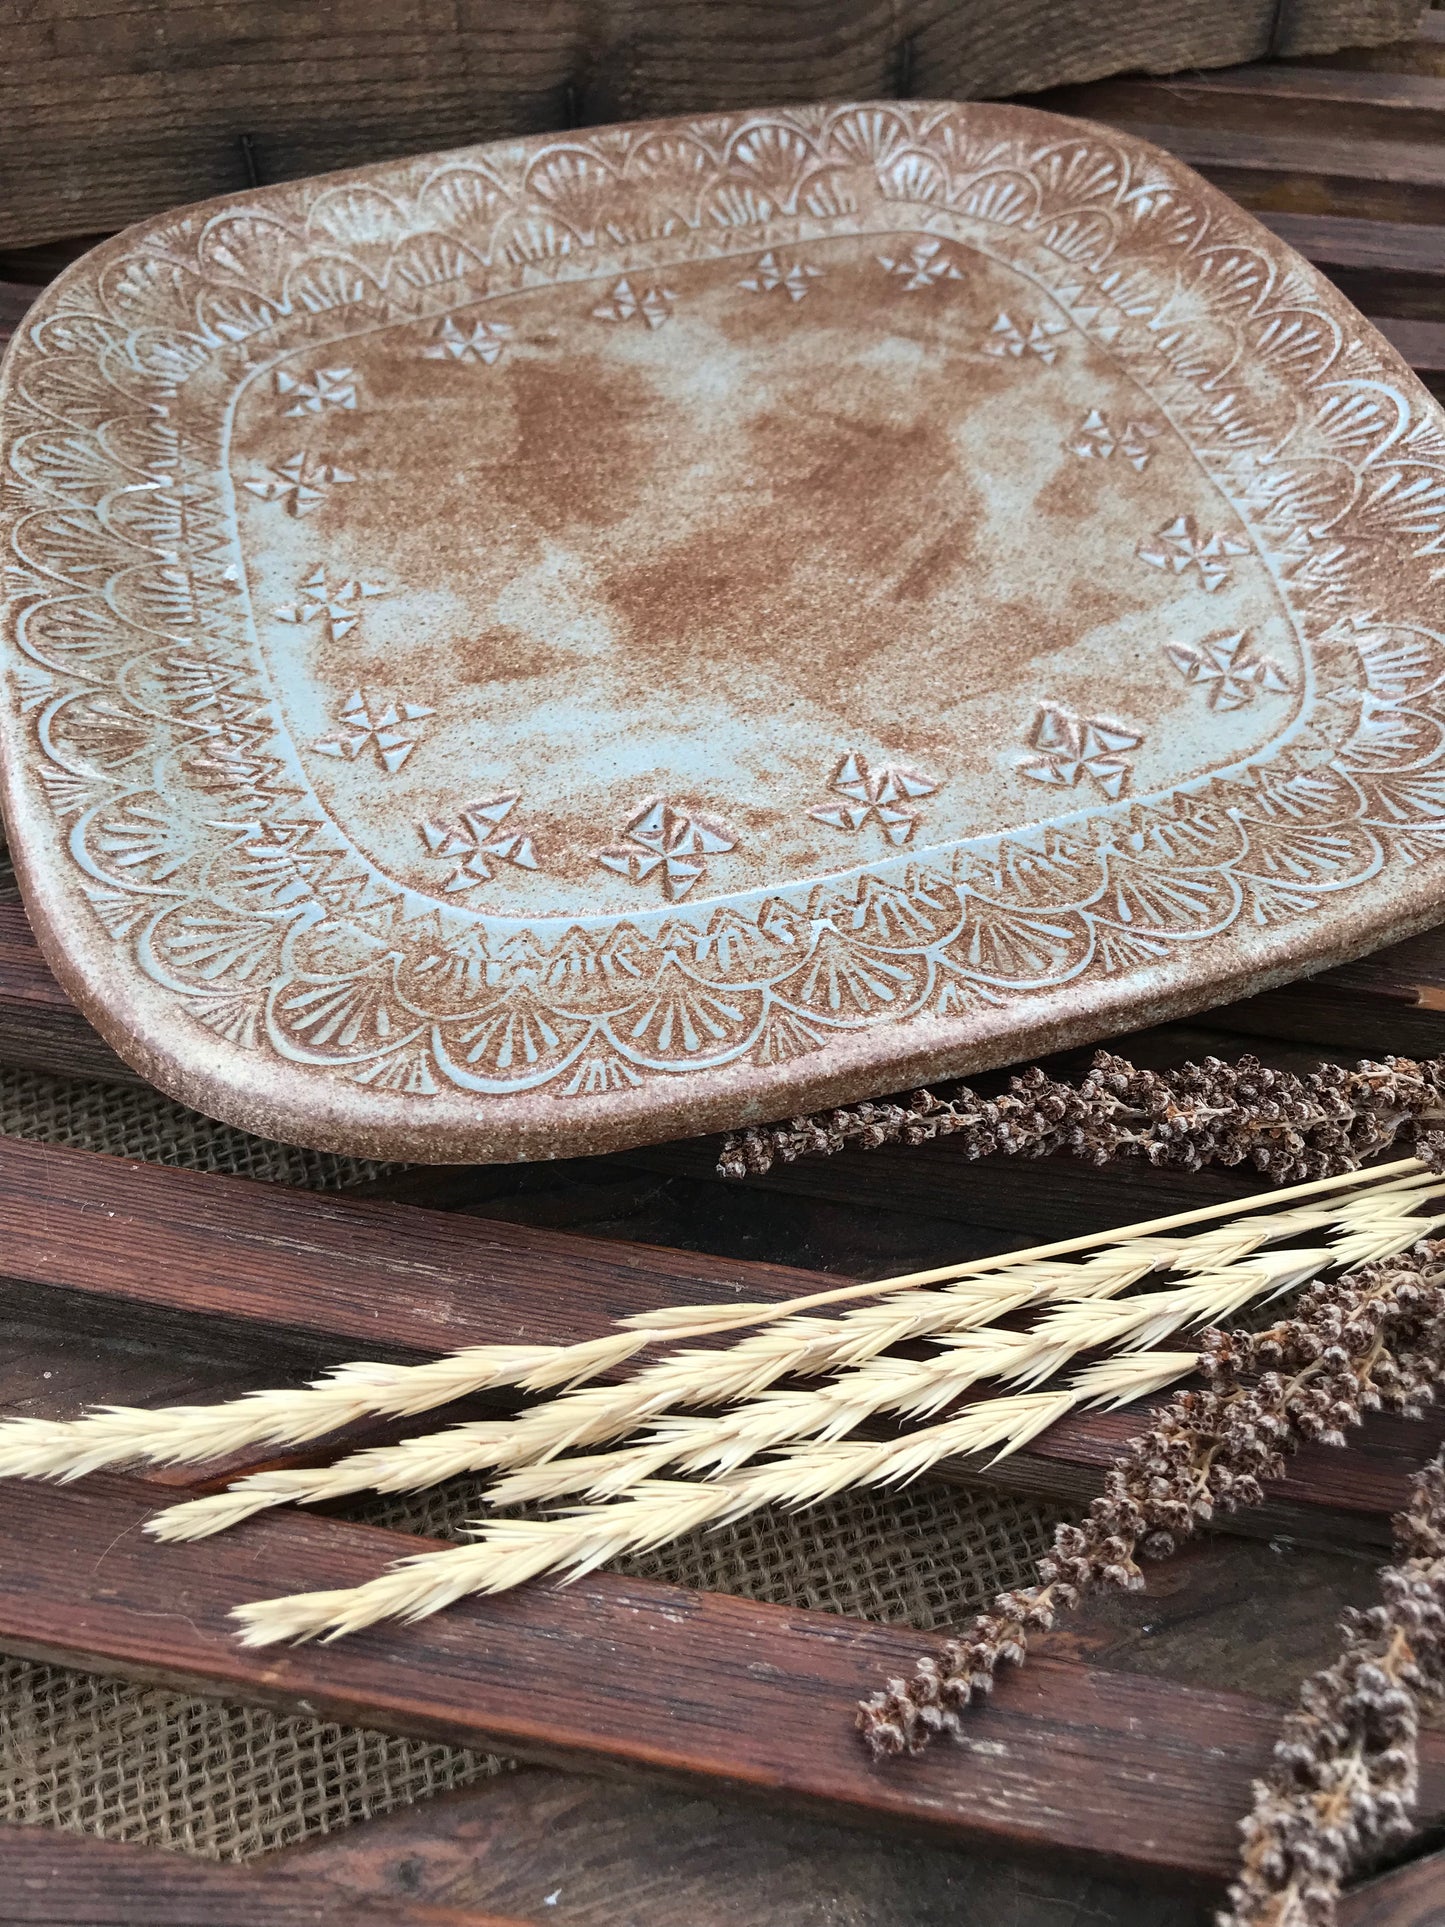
x=337 y=1274
x=1115 y=1768
x=579 y=1852
x=1410 y=1896
x=595 y=1855
x=63 y=1880
x=125 y=107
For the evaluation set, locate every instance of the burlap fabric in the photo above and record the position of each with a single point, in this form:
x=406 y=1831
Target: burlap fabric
x=140 y=1763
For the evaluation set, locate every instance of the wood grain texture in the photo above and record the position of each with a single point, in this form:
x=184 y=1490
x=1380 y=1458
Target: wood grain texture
x=1298 y=141
x=40 y=1029
x=1421 y=52
x=384 y=1277
x=396 y=1281
x=66 y=1880
x=112 y=109
x=1114 y=1768
x=654 y=1858
x=1409 y=1896
x=581 y=1852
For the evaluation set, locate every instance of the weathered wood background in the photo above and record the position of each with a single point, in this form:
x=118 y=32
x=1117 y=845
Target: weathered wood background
x=112 y=109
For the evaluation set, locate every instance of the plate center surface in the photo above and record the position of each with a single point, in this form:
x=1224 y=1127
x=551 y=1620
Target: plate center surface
x=839 y=550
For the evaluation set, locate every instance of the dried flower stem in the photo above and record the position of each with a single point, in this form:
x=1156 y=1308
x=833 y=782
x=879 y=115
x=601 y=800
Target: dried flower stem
x=1369 y=1225
x=1375 y=1337
x=193 y=1434
x=1211 y=1113
x=1346 y=1770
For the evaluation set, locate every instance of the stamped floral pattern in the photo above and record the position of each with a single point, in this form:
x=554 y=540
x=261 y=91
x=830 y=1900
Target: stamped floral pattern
x=886 y=795
x=1229 y=669
x=337 y=606
x=1066 y=750
x=144 y=743
x=668 y=843
x=478 y=842
x=299 y=483
x=384 y=726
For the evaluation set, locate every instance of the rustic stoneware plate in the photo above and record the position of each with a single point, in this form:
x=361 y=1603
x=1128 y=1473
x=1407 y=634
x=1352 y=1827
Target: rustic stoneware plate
x=569 y=643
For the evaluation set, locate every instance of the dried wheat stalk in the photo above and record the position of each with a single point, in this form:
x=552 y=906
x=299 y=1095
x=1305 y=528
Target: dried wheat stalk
x=1345 y=1776
x=1369 y=1225
x=1286 y=1126
x=509 y=1552
x=1375 y=1337
x=193 y=1434
x=633 y=1510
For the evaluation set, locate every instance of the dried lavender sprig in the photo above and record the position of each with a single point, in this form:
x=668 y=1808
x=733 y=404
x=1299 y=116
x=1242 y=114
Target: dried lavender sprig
x=1288 y=1127
x=1345 y=1776
x=1373 y=1337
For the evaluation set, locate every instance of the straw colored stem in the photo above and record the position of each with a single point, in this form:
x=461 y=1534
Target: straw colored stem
x=530 y=1444
x=510 y=1552
x=170 y=1435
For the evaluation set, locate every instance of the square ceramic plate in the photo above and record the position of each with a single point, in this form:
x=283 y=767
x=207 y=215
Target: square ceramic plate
x=562 y=644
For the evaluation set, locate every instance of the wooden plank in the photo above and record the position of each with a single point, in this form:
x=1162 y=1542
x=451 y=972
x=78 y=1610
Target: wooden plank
x=601 y=1853
x=1378 y=180
x=1408 y=1896
x=1356 y=107
x=1327 y=1496
x=596 y=1851
x=1387 y=268
x=1299 y=141
x=1421 y=343
x=1393 y=271
x=1393 y=1001
x=386 y=1278
x=1113 y=1767
x=397 y=1281
x=508 y=1845
x=1422 y=52
x=52 y=1879
x=40 y=1029
x=120 y=108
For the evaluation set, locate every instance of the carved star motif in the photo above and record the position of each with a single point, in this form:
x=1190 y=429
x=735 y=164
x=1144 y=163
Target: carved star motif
x=1069 y=748
x=477 y=837
x=666 y=841
x=483 y=341
x=771 y=272
x=884 y=796
x=322 y=388
x=1098 y=439
x=337 y=604
x=1232 y=672
x=1179 y=546
x=1007 y=337
x=652 y=305
x=382 y=726
x=924 y=266
x=298 y=483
